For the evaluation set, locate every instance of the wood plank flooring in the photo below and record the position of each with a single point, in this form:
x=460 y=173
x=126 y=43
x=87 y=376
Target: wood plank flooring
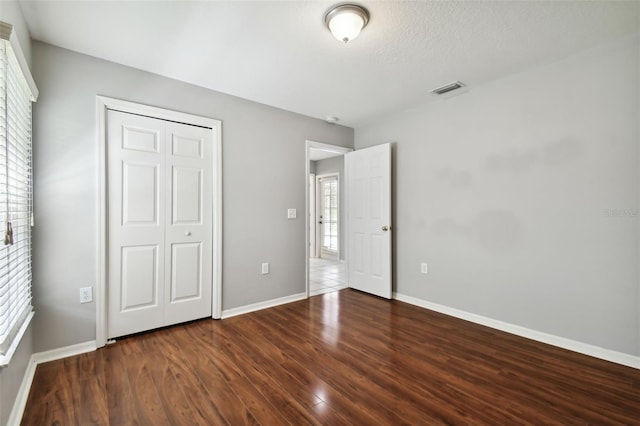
x=339 y=358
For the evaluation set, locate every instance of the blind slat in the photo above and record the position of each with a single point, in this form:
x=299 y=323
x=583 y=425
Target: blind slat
x=16 y=197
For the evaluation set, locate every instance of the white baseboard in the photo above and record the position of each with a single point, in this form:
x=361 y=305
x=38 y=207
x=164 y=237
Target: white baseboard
x=227 y=313
x=23 y=393
x=572 y=345
x=595 y=351
x=60 y=353
x=80 y=348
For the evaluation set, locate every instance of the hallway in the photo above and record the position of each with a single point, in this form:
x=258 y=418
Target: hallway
x=326 y=275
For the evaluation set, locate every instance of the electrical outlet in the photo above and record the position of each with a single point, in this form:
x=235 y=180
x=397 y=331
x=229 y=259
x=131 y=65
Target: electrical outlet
x=265 y=268
x=86 y=294
x=291 y=213
x=423 y=268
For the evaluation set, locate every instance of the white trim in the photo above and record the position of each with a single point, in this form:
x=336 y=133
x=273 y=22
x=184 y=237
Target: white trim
x=6 y=358
x=216 y=274
x=156 y=112
x=17 y=411
x=101 y=231
x=102 y=104
x=313 y=251
x=307 y=170
x=12 y=37
x=561 y=342
x=228 y=313
x=67 y=351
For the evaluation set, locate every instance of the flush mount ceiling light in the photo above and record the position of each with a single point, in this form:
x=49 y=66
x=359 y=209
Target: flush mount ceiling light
x=345 y=21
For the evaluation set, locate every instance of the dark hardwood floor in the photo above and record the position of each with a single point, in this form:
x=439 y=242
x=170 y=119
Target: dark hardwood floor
x=339 y=358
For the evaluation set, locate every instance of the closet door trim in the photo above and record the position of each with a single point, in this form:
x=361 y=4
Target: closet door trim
x=102 y=105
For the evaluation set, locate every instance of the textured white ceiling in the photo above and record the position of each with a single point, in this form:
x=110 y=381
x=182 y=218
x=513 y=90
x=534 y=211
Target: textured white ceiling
x=279 y=53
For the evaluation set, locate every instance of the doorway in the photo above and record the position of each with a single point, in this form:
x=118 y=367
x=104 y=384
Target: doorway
x=326 y=261
x=160 y=187
x=367 y=231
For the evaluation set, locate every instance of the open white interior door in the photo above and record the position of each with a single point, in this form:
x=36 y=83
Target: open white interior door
x=368 y=173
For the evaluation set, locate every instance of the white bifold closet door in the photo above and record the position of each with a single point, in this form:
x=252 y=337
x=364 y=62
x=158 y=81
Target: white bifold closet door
x=159 y=223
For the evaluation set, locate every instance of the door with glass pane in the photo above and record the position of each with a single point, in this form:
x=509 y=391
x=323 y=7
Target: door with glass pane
x=328 y=216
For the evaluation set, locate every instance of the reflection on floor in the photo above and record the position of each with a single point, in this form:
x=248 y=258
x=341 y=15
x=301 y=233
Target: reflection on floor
x=326 y=275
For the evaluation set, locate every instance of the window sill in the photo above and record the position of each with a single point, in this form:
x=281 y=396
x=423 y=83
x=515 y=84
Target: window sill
x=6 y=358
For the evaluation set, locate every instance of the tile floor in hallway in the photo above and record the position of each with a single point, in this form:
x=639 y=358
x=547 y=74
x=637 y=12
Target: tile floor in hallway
x=326 y=275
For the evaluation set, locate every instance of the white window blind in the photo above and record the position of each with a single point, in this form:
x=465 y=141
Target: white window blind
x=15 y=199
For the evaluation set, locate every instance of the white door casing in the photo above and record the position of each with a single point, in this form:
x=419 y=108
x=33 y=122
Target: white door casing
x=311 y=217
x=160 y=223
x=368 y=174
x=311 y=145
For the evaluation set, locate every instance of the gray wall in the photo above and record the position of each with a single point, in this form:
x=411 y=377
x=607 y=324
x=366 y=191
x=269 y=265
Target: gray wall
x=335 y=165
x=11 y=13
x=263 y=175
x=11 y=376
x=522 y=195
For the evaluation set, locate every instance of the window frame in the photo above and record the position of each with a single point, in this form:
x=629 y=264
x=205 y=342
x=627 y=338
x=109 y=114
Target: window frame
x=17 y=65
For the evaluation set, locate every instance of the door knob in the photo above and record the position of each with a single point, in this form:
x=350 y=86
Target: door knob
x=385 y=228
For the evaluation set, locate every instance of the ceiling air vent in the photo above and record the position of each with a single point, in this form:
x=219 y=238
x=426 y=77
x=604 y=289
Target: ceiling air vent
x=448 y=88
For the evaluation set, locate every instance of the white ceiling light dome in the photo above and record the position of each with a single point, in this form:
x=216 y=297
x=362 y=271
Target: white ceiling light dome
x=345 y=21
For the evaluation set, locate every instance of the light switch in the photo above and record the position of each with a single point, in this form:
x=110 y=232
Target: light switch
x=291 y=213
